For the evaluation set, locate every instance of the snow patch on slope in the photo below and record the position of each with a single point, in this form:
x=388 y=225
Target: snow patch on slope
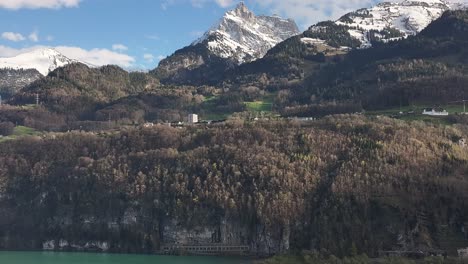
x=43 y=60
x=242 y=36
x=408 y=17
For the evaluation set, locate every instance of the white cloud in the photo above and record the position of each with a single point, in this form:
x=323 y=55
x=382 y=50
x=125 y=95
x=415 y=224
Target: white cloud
x=97 y=57
x=6 y=52
x=34 y=36
x=165 y=4
x=153 y=37
x=34 y=4
x=221 y=3
x=309 y=12
x=198 y=3
x=12 y=36
x=305 y=12
x=196 y=33
x=119 y=47
x=148 y=57
x=225 y=3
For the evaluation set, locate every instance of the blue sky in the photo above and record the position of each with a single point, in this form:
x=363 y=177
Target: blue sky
x=135 y=34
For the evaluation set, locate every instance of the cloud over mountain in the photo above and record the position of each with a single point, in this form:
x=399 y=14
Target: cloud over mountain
x=95 y=56
x=35 y=4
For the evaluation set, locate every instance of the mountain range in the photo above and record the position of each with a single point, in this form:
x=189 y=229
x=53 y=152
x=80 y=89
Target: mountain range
x=244 y=48
x=43 y=60
x=239 y=37
x=218 y=54
x=21 y=70
x=253 y=172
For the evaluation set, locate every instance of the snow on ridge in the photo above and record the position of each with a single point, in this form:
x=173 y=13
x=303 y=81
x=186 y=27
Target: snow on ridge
x=244 y=37
x=43 y=60
x=408 y=17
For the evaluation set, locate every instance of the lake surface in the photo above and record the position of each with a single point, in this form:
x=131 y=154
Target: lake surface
x=85 y=258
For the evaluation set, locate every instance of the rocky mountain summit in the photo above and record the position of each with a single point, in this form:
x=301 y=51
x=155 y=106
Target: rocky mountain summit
x=243 y=37
x=392 y=20
x=384 y=22
x=239 y=37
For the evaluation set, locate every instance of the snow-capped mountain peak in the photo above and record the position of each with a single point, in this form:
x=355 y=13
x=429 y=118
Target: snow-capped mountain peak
x=242 y=36
x=392 y=20
x=44 y=60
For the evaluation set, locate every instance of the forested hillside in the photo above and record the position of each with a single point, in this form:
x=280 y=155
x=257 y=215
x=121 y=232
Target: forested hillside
x=430 y=68
x=344 y=183
x=77 y=90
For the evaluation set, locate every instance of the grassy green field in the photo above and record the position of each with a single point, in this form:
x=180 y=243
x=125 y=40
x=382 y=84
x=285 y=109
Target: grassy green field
x=263 y=105
x=21 y=131
x=209 y=112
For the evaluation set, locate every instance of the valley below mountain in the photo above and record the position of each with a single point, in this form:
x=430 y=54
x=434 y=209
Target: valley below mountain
x=254 y=140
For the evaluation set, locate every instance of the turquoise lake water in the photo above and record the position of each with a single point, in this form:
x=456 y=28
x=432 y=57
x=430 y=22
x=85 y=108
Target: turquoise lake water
x=85 y=258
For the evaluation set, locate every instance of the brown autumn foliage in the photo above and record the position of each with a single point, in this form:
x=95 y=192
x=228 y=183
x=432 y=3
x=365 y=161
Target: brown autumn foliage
x=338 y=183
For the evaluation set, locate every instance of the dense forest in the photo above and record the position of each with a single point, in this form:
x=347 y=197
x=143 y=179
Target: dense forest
x=339 y=185
x=429 y=68
x=337 y=188
x=77 y=91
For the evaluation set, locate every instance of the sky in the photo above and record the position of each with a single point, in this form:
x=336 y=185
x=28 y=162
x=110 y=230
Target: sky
x=136 y=34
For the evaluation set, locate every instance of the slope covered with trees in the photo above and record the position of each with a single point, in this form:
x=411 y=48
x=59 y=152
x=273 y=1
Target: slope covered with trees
x=77 y=90
x=430 y=68
x=344 y=184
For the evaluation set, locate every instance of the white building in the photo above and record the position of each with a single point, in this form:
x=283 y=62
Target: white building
x=192 y=119
x=435 y=112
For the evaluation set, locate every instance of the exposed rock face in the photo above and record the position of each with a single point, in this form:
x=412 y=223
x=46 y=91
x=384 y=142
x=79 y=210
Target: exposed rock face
x=260 y=239
x=360 y=29
x=239 y=37
x=244 y=37
x=62 y=244
x=392 y=20
x=11 y=80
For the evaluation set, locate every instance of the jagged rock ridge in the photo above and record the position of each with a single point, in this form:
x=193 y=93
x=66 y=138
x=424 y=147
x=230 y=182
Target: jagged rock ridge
x=243 y=37
x=390 y=20
x=239 y=37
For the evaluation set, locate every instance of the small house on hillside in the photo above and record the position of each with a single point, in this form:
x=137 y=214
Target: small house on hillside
x=193 y=119
x=435 y=112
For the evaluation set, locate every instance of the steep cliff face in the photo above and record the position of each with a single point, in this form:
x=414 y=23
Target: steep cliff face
x=239 y=37
x=260 y=239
